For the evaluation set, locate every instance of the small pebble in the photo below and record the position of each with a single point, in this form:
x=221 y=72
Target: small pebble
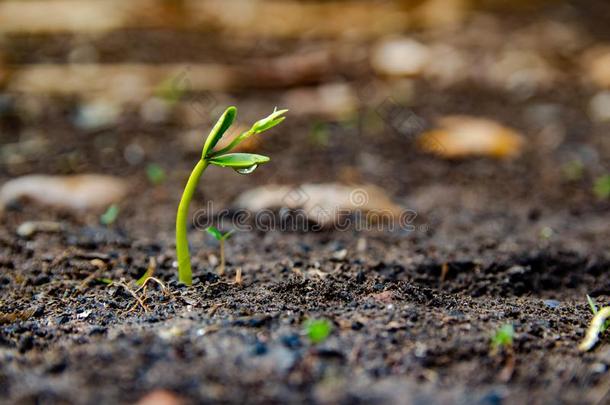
x=29 y=228
x=599 y=368
x=96 y=115
x=599 y=107
x=551 y=303
x=340 y=254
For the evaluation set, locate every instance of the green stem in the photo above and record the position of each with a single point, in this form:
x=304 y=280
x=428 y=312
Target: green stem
x=239 y=139
x=185 y=275
x=222 y=257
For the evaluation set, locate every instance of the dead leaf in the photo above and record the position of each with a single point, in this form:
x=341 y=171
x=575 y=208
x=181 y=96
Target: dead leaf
x=79 y=192
x=463 y=136
x=334 y=100
x=400 y=56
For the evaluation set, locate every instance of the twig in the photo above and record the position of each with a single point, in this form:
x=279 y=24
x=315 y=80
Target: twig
x=156 y=280
x=134 y=295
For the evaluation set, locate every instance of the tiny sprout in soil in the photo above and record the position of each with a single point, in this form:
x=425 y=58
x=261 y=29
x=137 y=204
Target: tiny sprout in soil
x=221 y=238
x=110 y=216
x=599 y=324
x=242 y=163
x=503 y=338
x=601 y=187
x=155 y=174
x=317 y=330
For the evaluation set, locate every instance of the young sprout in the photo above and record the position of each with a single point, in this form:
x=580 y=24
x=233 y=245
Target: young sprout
x=111 y=215
x=155 y=174
x=599 y=324
x=503 y=338
x=243 y=163
x=220 y=237
x=601 y=187
x=317 y=330
x=594 y=310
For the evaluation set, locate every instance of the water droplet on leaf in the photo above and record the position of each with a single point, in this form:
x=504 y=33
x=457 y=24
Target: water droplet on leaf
x=246 y=170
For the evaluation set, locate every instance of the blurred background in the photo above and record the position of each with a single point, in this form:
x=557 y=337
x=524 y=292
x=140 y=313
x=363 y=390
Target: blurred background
x=490 y=106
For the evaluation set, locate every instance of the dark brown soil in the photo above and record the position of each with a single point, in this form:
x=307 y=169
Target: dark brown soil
x=493 y=243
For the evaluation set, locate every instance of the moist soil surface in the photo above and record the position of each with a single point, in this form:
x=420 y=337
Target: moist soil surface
x=493 y=243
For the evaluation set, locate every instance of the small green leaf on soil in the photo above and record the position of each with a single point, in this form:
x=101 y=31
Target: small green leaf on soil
x=317 y=330
x=214 y=232
x=156 y=174
x=111 y=215
x=601 y=187
x=503 y=337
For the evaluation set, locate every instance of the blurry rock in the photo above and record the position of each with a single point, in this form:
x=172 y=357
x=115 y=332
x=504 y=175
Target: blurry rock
x=30 y=107
x=160 y=397
x=599 y=107
x=134 y=153
x=154 y=110
x=447 y=65
x=540 y=115
x=463 y=136
x=78 y=192
x=323 y=204
x=400 y=57
x=562 y=37
x=31 y=145
x=29 y=228
x=521 y=71
x=335 y=100
x=97 y=114
x=597 y=66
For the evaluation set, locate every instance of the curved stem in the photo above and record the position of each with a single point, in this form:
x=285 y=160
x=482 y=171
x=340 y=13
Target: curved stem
x=185 y=275
x=222 y=257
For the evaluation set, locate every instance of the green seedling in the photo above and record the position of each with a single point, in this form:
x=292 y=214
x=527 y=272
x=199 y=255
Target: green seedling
x=601 y=187
x=242 y=163
x=221 y=238
x=599 y=324
x=503 y=338
x=317 y=330
x=111 y=215
x=155 y=174
x=150 y=271
x=320 y=135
